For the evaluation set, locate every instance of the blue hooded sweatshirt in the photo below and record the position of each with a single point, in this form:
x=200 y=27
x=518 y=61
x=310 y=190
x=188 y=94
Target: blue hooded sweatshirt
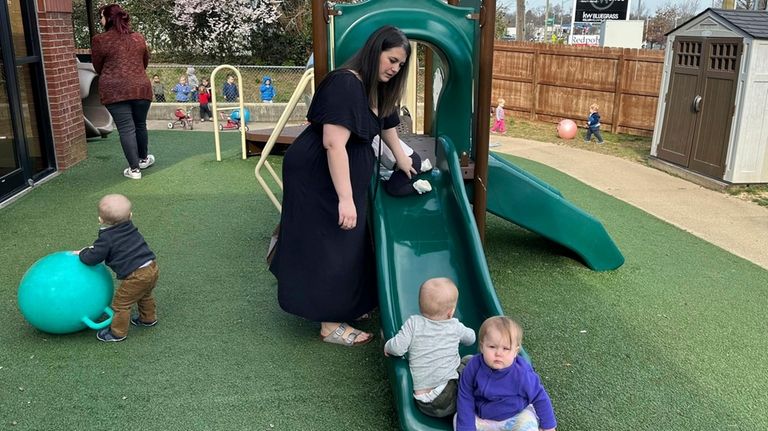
x=267 y=90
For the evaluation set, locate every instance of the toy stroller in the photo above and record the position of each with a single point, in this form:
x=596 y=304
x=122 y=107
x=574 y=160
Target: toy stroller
x=232 y=121
x=183 y=119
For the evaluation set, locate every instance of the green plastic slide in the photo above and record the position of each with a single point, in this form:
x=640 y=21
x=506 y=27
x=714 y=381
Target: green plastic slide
x=517 y=196
x=422 y=236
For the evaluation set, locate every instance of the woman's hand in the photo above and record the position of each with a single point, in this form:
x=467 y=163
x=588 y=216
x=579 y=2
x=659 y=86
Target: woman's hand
x=405 y=164
x=347 y=214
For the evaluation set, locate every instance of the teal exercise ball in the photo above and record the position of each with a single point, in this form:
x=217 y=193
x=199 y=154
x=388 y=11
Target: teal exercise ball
x=59 y=294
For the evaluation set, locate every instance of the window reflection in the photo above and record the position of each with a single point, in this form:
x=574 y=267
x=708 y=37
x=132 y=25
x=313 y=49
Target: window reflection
x=29 y=112
x=7 y=147
x=17 y=28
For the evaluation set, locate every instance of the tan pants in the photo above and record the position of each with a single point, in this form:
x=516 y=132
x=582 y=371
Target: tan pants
x=135 y=289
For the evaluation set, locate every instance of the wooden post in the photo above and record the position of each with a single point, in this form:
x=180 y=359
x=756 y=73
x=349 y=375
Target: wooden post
x=617 y=89
x=485 y=80
x=535 y=82
x=320 y=39
x=428 y=96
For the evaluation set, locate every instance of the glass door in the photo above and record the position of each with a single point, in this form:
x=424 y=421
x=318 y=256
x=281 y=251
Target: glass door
x=26 y=144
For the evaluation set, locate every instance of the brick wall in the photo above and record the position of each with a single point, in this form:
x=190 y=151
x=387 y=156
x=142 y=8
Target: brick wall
x=56 y=36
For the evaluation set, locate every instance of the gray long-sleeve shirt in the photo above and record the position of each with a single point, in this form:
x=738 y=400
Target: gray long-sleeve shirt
x=432 y=347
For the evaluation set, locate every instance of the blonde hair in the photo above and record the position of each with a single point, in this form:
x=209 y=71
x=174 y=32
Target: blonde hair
x=438 y=296
x=507 y=328
x=501 y=101
x=114 y=209
x=594 y=106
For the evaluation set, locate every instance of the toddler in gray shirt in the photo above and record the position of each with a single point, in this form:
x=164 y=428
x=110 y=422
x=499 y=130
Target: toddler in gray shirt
x=431 y=340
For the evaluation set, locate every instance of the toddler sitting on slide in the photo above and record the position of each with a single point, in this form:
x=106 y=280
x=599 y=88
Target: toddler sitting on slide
x=398 y=184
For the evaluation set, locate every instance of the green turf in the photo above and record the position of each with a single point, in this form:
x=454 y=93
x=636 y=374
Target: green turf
x=674 y=339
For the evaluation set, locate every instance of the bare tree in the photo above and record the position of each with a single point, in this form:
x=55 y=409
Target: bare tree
x=520 y=22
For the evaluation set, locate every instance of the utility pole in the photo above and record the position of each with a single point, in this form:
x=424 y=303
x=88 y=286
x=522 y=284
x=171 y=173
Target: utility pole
x=546 y=20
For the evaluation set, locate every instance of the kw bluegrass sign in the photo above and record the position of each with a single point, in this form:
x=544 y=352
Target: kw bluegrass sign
x=600 y=10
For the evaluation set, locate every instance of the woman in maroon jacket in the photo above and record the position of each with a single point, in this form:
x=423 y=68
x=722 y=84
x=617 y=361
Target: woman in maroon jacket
x=120 y=57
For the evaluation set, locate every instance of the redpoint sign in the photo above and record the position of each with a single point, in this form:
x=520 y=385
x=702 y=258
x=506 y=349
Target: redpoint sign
x=600 y=10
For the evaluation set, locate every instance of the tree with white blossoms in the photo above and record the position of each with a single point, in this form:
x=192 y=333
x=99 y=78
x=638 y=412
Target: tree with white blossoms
x=223 y=26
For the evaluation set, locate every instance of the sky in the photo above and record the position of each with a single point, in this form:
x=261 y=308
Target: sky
x=649 y=5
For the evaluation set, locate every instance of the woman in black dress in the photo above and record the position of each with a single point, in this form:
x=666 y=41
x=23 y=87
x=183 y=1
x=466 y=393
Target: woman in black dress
x=324 y=257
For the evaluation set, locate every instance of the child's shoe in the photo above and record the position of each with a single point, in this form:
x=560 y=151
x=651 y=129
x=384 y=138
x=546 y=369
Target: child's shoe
x=136 y=321
x=134 y=174
x=145 y=163
x=426 y=165
x=422 y=186
x=107 y=335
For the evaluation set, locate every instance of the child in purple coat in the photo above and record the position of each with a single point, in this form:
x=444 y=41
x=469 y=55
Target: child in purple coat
x=498 y=390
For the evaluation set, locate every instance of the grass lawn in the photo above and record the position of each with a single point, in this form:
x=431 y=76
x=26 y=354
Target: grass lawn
x=672 y=340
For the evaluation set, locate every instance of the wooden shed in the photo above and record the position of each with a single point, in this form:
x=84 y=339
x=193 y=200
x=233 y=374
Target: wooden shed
x=712 y=116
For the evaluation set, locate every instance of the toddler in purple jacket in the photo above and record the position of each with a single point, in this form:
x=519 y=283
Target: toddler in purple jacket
x=498 y=390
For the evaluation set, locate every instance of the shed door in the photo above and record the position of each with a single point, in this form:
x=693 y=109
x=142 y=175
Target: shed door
x=700 y=103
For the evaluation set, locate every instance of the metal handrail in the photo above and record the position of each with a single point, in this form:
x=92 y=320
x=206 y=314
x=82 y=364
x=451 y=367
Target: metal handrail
x=306 y=79
x=215 y=110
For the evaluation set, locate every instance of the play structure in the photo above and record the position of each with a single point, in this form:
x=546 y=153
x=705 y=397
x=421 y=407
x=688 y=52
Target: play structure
x=441 y=233
x=218 y=126
x=98 y=121
x=59 y=294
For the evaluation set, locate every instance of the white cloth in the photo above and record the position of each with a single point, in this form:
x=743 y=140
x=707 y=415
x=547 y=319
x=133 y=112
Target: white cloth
x=387 y=157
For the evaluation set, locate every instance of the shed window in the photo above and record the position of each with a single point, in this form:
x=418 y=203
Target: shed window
x=689 y=54
x=723 y=57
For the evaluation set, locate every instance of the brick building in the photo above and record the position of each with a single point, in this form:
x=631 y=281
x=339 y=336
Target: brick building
x=41 y=117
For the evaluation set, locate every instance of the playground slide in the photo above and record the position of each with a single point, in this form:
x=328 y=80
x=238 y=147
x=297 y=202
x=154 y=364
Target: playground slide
x=423 y=236
x=98 y=121
x=519 y=197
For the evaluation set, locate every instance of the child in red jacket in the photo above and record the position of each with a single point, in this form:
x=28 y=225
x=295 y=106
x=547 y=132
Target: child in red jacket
x=204 y=97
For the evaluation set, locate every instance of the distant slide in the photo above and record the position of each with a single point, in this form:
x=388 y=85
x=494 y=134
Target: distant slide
x=98 y=121
x=422 y=236
x=519 y=197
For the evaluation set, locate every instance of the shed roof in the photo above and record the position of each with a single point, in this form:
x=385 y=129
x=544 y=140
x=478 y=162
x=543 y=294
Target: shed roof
x=752 y=22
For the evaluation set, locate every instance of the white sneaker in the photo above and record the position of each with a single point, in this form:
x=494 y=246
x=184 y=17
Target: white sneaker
x=130 y=173
x=422 y=186
x=426 y=165
x=149 y=161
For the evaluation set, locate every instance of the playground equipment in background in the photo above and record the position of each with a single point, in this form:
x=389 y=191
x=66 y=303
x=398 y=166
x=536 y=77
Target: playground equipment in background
x=59 y=294
x=217 y=126
x=98 y=121
x=184 y=118
x=567 y=129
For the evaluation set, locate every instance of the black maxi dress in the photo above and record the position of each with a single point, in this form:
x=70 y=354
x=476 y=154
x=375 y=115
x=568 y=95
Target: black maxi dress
x=325 y=273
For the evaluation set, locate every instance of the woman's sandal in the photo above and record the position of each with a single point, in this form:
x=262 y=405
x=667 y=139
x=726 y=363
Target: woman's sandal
x=337 y=337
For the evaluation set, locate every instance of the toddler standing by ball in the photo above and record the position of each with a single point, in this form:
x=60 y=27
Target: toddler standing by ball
x=593 y=125
x=123 y=248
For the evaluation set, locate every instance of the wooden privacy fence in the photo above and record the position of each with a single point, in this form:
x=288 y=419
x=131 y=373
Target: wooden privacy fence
x=550 y=82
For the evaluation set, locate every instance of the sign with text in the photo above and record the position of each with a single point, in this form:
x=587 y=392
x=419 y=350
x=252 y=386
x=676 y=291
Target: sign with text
x=600 y=10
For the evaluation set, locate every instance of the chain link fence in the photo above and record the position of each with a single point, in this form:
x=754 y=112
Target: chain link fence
x=284 y=79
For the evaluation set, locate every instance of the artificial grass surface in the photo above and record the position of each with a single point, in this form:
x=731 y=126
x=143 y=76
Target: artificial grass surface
x=674 y=338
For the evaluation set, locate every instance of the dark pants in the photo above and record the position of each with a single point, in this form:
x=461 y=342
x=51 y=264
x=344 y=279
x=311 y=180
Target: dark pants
x=159 y=97
x=595 y=132
x=399 y=184
x=205 y=112
x=445 y=403
x=135 y=289
x=131 y=119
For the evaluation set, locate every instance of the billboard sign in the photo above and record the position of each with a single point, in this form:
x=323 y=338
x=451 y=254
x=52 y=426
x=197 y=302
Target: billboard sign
x=600 y=10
